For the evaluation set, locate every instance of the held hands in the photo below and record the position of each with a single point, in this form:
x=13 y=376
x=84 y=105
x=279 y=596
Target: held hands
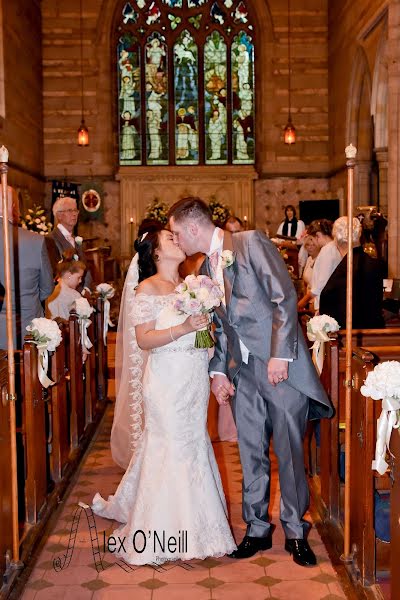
x=277 y=371
x=222 y=389
x=196 y=322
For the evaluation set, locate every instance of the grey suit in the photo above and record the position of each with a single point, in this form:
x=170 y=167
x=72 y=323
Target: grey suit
x=261 y=310
x=32 y=281
x=57 y=244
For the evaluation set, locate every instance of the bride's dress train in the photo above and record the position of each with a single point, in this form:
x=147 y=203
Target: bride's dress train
x=172 y=489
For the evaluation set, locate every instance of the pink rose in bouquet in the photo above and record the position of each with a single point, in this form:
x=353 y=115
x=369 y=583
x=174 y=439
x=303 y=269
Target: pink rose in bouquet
x=198 y=295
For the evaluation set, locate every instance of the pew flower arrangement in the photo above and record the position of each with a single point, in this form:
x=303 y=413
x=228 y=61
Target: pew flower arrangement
x=47 y=337
x=198 y=295
x=318 y=328
x=84 y=310
x=106 y=291
x=383 y=383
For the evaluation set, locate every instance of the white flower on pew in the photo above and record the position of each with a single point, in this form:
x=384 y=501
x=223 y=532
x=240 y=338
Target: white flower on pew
x=47 y=337
x=106 y=291
x=84 y=310
x=318 y=328
x=383 y=383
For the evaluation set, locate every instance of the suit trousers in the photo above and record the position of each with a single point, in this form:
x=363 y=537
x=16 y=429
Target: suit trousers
x=263 y=411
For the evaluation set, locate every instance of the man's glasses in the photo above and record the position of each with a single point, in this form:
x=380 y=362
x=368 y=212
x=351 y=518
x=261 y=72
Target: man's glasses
x=70 y=211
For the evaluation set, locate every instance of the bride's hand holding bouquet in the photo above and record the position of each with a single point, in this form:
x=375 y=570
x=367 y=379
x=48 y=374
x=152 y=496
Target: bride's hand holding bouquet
x=197 y=297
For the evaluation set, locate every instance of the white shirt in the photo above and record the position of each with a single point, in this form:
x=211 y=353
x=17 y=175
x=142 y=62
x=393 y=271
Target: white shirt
x=217 y=243
x=326 y=262
x=68 y=236
x=299 y=232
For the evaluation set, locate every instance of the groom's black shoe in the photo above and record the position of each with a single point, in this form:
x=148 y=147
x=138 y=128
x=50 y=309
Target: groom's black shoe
x=251 y=545
x=301 y=551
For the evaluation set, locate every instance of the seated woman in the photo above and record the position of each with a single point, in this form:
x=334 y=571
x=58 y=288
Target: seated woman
x=312 y=249
x=70 y=271
x=367 y=282
x=291 y=226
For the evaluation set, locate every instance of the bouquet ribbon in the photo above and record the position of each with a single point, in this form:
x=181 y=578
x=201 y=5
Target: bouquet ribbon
x=387 y=421
x=107 y=321
x=84 y=323
x=43 y=366
x=319 y=338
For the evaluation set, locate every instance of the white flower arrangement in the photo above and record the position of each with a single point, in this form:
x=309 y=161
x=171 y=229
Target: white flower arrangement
x=78 y=240
x=36 y=220
x=219 y=212
x=106 y=292
x=47 y=337
x=318 y=328
x=158 y=211
x=45 y=332
x=84 y=310
x=227 y=259
x=383 y=383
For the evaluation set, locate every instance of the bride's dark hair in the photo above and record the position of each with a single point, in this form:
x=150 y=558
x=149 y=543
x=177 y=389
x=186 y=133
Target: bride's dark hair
x=147 y=250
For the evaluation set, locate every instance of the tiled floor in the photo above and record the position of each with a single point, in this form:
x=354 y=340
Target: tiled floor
x=268 y=575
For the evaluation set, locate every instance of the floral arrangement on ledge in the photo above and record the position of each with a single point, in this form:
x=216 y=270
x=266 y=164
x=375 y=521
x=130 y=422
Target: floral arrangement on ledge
x=219 y=212
x=36 y=220
x=158 y=211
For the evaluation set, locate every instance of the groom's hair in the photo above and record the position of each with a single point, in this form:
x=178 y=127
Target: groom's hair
x=191 y=208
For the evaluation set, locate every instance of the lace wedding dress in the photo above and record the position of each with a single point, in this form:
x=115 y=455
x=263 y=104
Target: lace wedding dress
x=170 y=499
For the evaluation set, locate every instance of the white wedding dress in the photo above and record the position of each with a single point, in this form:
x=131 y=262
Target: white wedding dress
x=172 y=488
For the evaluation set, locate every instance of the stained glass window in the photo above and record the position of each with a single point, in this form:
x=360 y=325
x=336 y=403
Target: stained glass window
x=185 y=73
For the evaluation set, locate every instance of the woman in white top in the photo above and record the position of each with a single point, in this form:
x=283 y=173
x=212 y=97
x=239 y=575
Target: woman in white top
x=326 y=261
x=70 y=271
x=312 y=248
x=291 y=226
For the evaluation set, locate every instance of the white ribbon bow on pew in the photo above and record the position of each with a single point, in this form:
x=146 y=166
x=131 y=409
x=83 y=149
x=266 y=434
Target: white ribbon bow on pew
x=319 y=338
x=388 y=420
x=106 y=291
x=43 y=366
x=84 y=323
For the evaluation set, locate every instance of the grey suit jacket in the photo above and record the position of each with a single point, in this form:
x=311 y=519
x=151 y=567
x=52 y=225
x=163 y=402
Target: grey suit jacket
x=32 y=281
x=56 y=244
x=261 y=310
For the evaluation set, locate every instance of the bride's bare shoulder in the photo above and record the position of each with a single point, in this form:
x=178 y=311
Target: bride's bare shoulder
x=148 y=286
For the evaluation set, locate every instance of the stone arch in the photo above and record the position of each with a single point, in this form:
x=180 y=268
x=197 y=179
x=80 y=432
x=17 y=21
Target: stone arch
x=379 y=98
x=359 y=126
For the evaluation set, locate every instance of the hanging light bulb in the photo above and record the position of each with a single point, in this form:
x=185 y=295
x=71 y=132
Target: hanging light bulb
x=83 y=132
x=290 y=132
x=289 y=135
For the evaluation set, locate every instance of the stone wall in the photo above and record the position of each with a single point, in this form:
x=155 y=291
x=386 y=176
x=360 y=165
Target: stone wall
x=21 y=122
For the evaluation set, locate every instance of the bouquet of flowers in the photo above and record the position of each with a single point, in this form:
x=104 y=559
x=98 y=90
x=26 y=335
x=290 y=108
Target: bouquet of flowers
x=106 y=291
x=158 y=211
x=36 y=220
x=47 y=336
x=219 y=212
x=383 y=383
x=317 y=331
x=84 y=310
x=198 y=295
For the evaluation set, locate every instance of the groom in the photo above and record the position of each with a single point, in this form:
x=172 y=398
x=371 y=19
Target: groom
x=262 y=362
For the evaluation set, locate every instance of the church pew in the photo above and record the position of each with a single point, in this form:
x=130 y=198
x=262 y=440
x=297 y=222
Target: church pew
x=100 y=351
x=76 y=387
x=34 y=432
x=332 y=378
x=395 y=516
x=5 y=468
x=59 y=427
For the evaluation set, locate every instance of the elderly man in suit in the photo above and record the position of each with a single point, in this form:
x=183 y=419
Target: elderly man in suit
x=32 y=277
x=62 y=237
x=261 y=360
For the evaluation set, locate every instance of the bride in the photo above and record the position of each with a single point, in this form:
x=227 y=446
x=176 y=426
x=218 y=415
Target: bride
x=170 y=500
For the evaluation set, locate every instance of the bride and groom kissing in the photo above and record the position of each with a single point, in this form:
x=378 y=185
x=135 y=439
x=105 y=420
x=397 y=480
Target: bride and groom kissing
x=261 y=365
